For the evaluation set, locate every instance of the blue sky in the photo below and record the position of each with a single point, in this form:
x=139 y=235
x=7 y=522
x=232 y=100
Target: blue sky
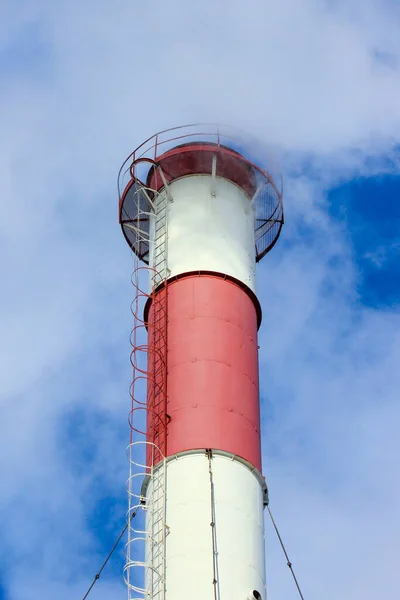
x=372 y=209
x=318 y=84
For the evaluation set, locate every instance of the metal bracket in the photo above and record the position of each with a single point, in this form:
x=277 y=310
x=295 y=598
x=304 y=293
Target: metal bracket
x=138 y=231
x=148 y=198
x=265 y=494
x=213 y=176
x=255 y=196
x=165 y=182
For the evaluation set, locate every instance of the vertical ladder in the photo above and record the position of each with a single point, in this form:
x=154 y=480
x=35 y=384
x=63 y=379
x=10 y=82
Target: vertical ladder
x=157 y=393
x=144 y=570
x=157 y=408
x=160 y=240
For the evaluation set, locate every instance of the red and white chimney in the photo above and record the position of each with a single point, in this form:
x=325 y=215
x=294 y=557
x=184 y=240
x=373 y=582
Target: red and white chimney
x=198 y=215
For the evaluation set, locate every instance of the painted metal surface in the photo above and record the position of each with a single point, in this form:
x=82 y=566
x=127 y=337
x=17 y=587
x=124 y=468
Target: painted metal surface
x=212 y=370
x=210 y=227
x=213 y=534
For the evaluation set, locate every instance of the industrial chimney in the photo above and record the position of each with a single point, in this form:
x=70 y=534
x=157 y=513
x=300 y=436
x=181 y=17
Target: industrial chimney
x=198 y=216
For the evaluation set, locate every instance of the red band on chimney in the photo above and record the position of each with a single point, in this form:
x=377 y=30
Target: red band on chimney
x=212 y=370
